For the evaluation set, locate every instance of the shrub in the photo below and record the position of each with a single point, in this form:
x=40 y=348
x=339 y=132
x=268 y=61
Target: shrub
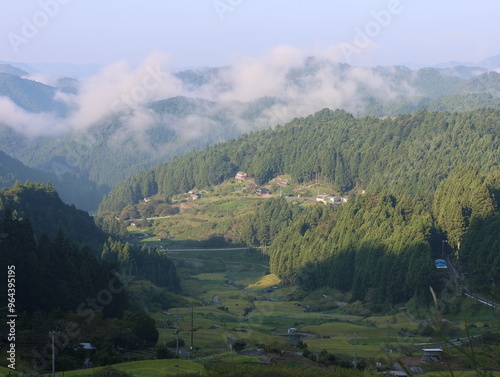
x=111 y=372
x=164 y=353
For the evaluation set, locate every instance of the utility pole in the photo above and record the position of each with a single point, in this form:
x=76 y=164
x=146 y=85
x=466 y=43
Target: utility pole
x=177 y=330
x=165 y=323
x=442 y=248
x=387 y=330
x=192 y=328
x=53 y=334
x=355 y=363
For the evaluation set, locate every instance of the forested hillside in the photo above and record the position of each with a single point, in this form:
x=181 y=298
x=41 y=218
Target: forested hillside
x=428 y=177
x=73 y=189
x=147 y=264
x=30 y=95
x=376 y=246
x=12 y=170
x=408 y=153
x=381 y=246
x=467 y=209
x=41 y=205
x=66 y=270
x=90 y=152
x=49 y=218
x=53 y=274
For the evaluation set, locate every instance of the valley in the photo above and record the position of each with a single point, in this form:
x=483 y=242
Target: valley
x=318 y=246
x=274 y=250
x=232 y=298
x=235 y=188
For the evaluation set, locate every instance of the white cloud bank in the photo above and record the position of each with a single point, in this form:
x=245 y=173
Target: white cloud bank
x=302 y=84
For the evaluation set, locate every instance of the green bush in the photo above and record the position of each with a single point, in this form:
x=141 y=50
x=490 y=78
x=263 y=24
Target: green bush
x=111 y=372
x=164 y=353
x=235 y=370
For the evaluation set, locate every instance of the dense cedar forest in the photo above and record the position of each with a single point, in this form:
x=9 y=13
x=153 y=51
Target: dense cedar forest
x=147 y=264
x=71 y=188
x=41 y=205
x=429 y=177
x=71 y=272
x=53 y=274
x=380 y=247
x=38 y=208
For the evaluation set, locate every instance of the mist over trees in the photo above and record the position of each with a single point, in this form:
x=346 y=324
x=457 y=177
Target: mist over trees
x=92 y=134
x=40 y=204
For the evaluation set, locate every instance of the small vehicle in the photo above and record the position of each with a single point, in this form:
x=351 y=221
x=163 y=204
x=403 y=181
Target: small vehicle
x=440 y=263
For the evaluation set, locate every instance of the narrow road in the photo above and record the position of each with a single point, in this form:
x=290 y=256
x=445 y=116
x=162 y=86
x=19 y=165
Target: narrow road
x=455 y=275
x=214 y=249
x=205 y=260
x=150 y=218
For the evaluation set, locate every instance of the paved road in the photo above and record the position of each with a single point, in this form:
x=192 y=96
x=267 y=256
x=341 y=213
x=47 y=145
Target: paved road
x=451 y=269
x=214 y=249
x=455 y=275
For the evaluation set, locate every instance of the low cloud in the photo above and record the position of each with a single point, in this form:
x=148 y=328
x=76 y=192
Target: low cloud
x=120 y=90
x=30 y=124
x=300 y=83
x=41 y=77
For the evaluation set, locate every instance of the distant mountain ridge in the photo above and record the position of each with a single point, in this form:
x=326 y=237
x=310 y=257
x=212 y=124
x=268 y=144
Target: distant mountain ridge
x=117 y=146
x=73 y=190
x=11 y=70
x=491 y=62
x=77 y=71
x=30 y=95
x=48 y=214
x=12 y=170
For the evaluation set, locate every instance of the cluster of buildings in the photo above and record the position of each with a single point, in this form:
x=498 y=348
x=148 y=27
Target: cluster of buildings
x=252 y=188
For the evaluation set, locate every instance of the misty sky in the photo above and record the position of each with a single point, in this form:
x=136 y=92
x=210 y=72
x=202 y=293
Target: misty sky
x=218 y=32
